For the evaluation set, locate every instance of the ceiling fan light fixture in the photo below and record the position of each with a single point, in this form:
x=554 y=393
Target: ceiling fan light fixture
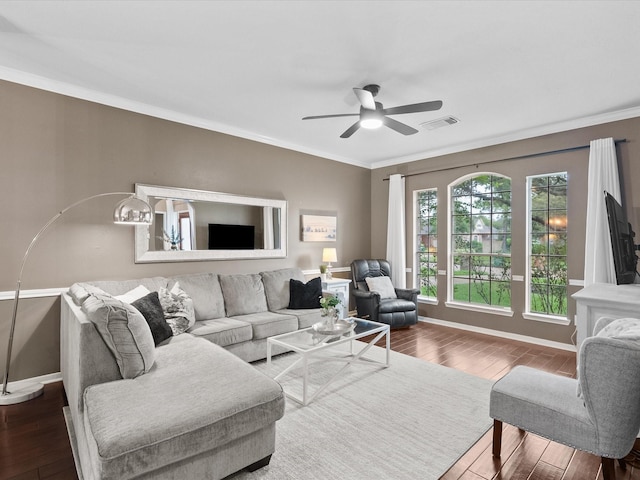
x=371 y=123
x=370 y=119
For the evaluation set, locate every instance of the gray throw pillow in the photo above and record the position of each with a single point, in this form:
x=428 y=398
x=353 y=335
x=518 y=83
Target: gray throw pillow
x=125 y=332
x=382 y=286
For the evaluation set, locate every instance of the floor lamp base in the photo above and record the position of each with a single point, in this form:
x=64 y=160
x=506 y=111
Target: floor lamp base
x=23 y=394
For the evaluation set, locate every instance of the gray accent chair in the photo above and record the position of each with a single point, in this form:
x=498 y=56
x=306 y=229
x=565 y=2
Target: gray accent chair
x=598 y=413
x=396 y=312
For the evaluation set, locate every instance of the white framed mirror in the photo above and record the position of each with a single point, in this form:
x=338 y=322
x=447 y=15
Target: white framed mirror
x=197 y=225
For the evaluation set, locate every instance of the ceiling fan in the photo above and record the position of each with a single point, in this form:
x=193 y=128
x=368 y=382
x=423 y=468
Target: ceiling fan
x=373 y=115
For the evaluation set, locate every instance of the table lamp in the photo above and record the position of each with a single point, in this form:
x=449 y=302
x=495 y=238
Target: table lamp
x=130 y=211
x=329 y=255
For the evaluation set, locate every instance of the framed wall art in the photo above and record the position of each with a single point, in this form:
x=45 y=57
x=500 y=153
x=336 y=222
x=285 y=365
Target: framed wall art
x=318 y=228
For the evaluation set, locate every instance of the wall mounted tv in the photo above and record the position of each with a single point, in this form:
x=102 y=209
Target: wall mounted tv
x=231 y=237
x=622 y=244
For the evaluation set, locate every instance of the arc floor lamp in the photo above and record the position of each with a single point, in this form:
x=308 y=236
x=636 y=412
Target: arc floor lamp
x=130 y=211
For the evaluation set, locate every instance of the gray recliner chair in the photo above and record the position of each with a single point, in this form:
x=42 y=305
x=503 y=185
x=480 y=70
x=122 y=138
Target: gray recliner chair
x=397 y=312
x=597 y=413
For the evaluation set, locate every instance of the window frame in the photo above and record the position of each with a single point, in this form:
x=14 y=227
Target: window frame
x=451 y=302
x=527 y=313
x=416 y=232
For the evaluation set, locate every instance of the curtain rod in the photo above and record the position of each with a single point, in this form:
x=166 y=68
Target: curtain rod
x=521 y=157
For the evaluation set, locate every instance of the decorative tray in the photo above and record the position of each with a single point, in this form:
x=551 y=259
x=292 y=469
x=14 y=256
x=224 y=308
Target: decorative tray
x=340 y=327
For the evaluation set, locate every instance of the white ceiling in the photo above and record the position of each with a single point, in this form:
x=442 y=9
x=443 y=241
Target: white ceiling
x=506 y=70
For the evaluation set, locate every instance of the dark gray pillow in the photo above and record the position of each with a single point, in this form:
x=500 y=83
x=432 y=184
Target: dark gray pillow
x=305 y=295
x=151 y=309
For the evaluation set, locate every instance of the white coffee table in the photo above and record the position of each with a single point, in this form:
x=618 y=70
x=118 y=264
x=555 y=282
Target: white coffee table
x=308 y=343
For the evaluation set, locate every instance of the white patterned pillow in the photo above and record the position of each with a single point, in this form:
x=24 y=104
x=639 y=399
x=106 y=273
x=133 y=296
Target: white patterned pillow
x=178 y=308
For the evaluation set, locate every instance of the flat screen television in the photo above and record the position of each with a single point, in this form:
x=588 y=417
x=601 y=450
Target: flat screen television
x=622 y=243
x=231 y=237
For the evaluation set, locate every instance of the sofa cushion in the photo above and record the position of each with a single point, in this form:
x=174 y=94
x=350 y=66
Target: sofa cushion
x=276 y=286
x=305 y=295
x=306 y=317
x=128 y=436
x=150 y=308
x=125 y=331
x=223 y=331
x=268 y=324
x=243 y=294
x=204 y=290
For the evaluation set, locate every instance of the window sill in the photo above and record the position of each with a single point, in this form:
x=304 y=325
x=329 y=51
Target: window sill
x=539 y=317
x=428 y=300
x=480 y=308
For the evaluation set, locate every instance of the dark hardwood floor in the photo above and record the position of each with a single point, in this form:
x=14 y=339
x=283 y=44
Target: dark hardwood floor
x=34 y=442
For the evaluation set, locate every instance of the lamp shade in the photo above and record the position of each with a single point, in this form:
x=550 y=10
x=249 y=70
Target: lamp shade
x=133 y=210
x=329 y=255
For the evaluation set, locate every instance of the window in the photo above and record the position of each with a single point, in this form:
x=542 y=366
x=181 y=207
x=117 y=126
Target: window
x=480 y=260
x=547 y=245
x=426 y=254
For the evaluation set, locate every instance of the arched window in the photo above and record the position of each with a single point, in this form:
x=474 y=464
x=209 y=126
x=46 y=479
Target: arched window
x=480 y=241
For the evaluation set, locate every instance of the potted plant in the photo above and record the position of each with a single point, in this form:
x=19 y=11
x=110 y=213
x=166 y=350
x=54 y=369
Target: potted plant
x=329 y=307
x=323 y=272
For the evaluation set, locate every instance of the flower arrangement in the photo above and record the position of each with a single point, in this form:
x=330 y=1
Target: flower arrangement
x=329 y=306
x=330 y=301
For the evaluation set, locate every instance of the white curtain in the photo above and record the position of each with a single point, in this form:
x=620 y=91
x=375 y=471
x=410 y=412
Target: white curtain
x=603 y=176
x=396 y=253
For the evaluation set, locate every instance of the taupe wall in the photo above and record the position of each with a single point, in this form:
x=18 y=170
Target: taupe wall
x=56 y=150
x=575 y=163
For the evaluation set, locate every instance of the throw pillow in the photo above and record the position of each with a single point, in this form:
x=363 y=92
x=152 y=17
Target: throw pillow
x=382 y=286
x=150 y=308
x=178 y=308
x=133 y=295
x=622 y=329
x=305 y=295
x=125 y=332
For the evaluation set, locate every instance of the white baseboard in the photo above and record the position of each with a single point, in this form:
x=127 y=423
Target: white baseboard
x=501 y=334
x=44 y=379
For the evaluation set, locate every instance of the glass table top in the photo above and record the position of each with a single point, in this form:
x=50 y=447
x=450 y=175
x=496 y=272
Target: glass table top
x=309 y=339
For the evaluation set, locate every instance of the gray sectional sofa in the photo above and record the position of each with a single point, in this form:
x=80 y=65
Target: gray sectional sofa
x=190 y=406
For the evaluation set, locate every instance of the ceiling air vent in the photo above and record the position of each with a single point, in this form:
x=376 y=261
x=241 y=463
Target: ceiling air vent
x=440 y=122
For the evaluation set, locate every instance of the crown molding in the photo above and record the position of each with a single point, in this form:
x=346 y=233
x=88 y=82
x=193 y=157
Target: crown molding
x=75 y=91
x=516 y=136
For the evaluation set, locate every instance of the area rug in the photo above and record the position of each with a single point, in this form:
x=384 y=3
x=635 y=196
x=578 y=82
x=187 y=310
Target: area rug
x=412 y=420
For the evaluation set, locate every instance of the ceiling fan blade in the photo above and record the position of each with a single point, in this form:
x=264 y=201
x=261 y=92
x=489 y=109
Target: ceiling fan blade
x=414 y=108
x=398 y=126
x=314 y=117
x=351 y=130
x=366 y=98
